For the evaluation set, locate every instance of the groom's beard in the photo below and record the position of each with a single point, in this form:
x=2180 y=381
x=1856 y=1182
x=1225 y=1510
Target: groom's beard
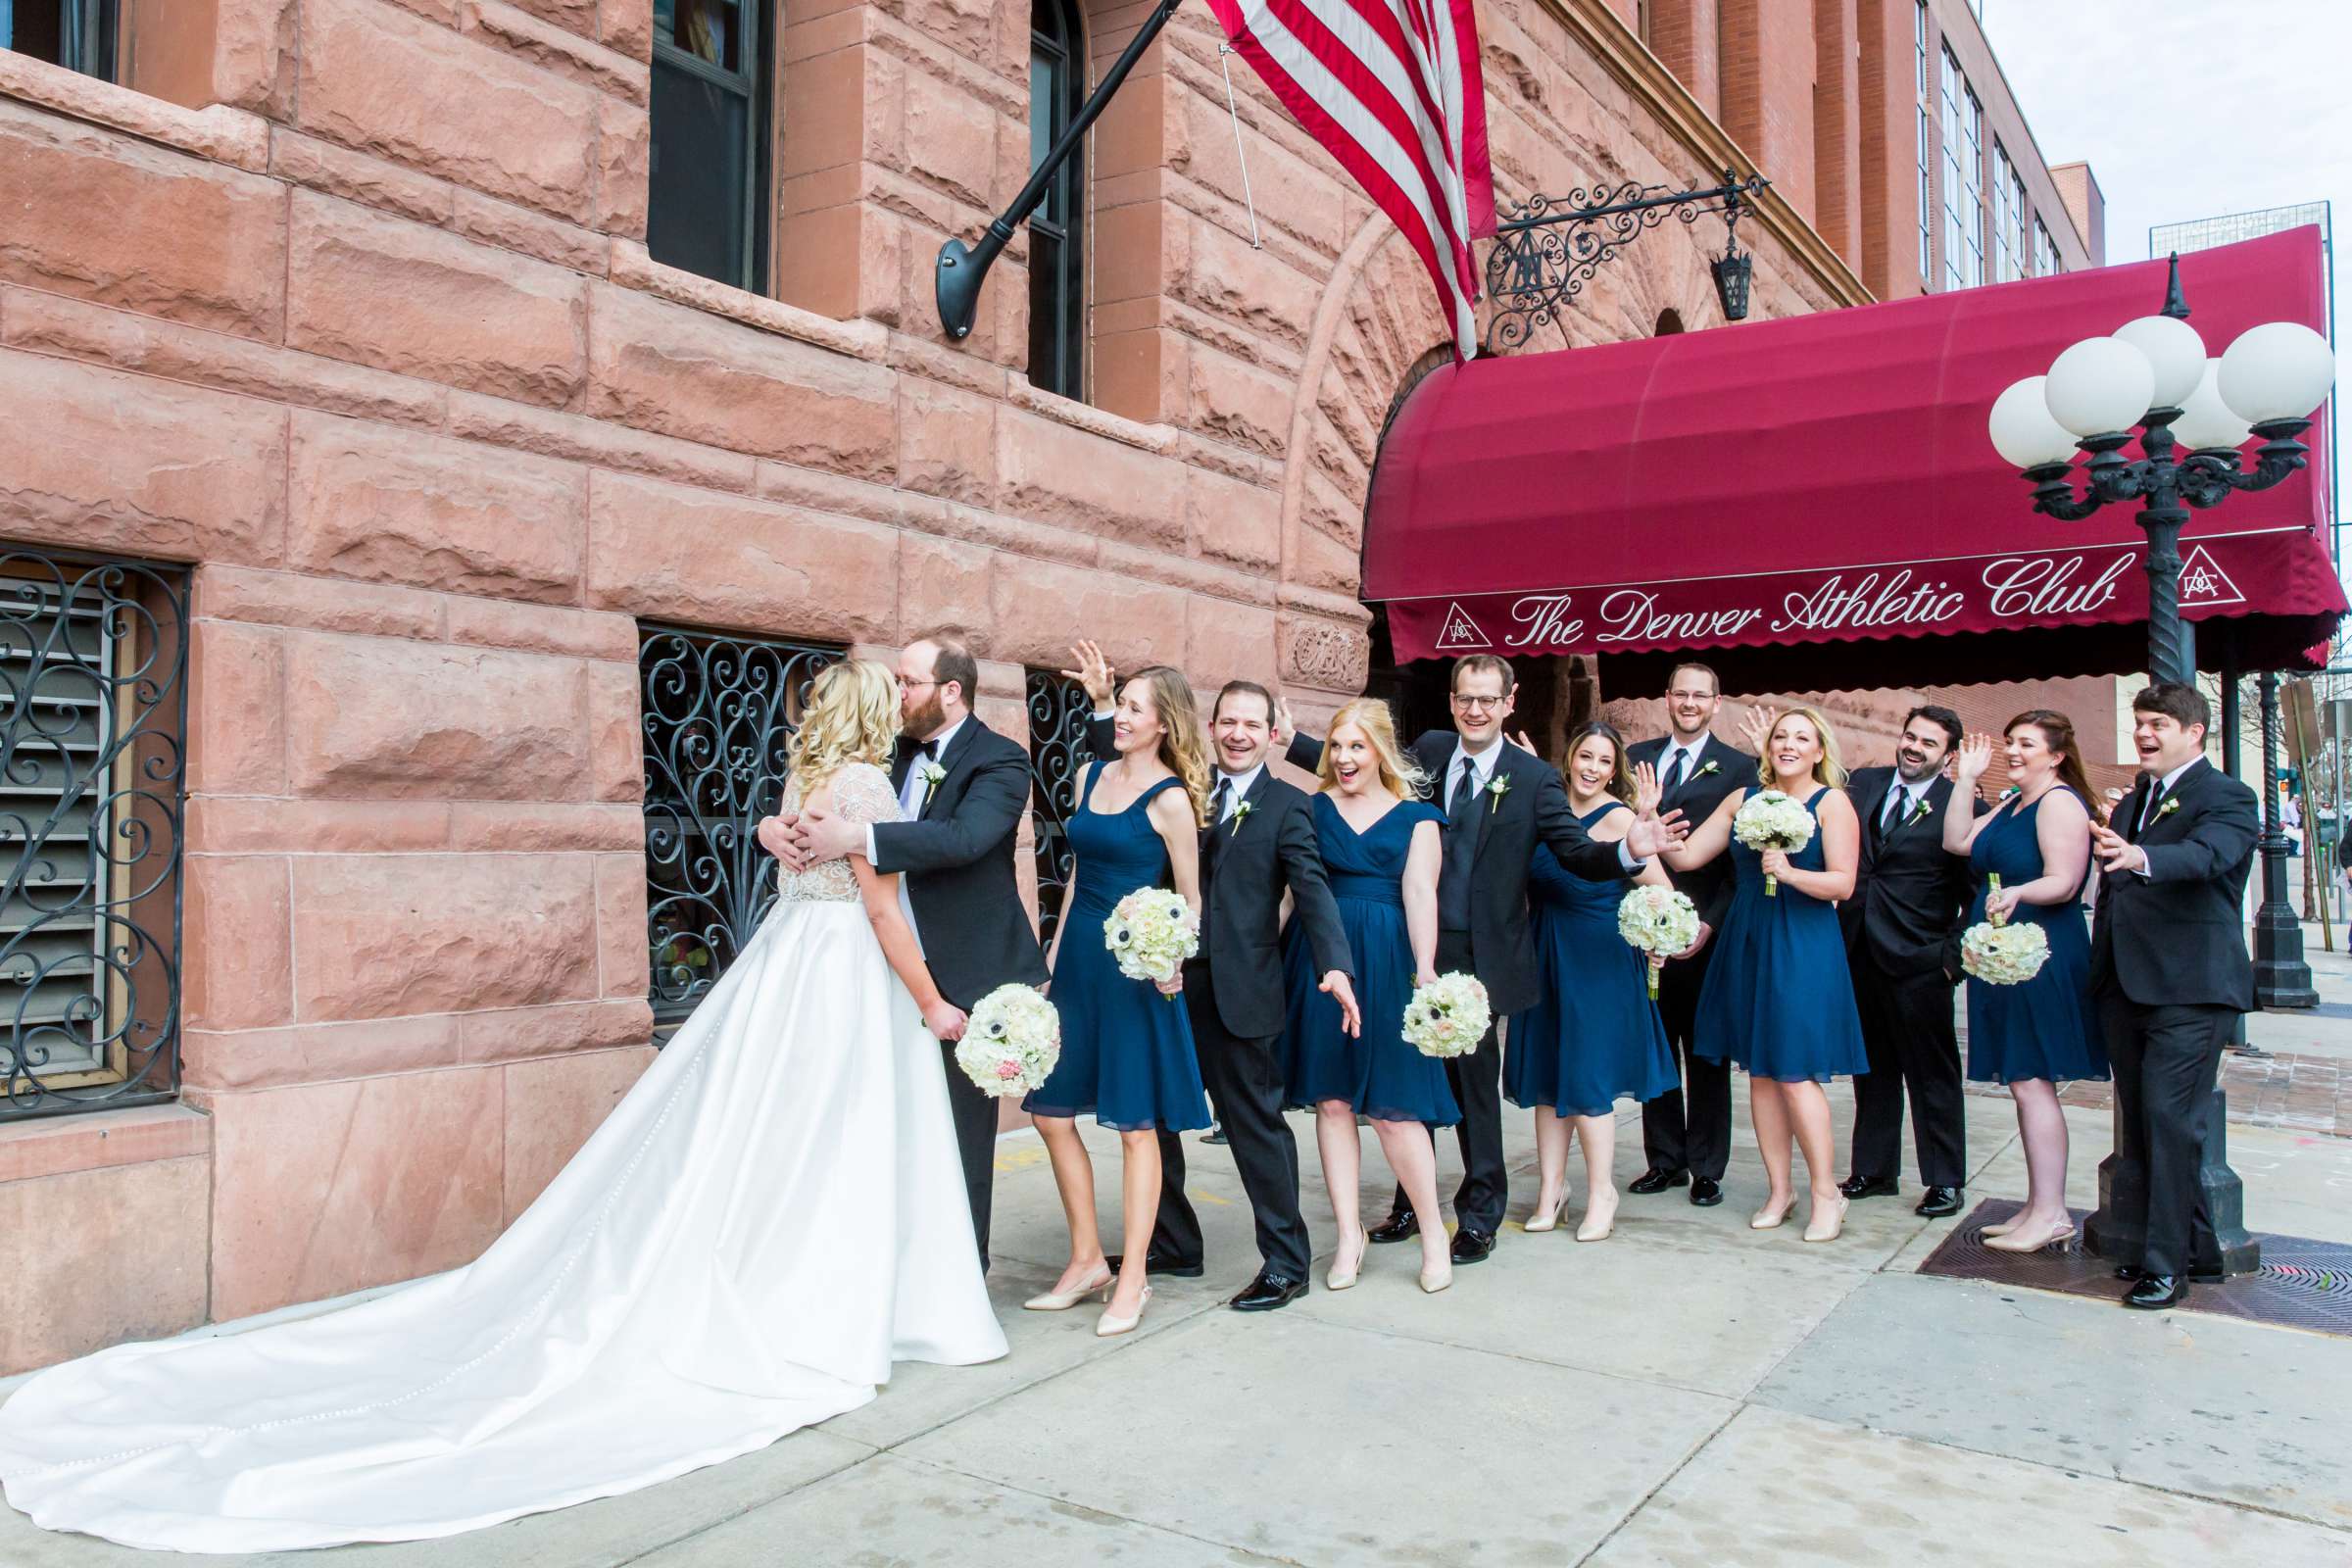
x=921 y=722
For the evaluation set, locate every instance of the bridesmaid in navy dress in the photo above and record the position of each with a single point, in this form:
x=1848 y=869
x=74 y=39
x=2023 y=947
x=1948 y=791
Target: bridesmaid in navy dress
x=2035 y=1036
x=1381 y=849
x=1594 y=1037
x=1778 y=999
x=1126 y=1046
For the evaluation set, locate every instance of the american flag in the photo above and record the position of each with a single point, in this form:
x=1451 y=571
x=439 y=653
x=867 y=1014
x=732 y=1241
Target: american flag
x=1391 y=90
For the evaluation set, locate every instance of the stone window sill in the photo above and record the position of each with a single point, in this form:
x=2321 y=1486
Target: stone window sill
x=221 y=133
x=138 y=1135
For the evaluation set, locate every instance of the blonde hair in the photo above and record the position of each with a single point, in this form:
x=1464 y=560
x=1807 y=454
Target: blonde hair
x=1829 y=771
x=1399 y=774
x=1183 y=742
x=853 y=716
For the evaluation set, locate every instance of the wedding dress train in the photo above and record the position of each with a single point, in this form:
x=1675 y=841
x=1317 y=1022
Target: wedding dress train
x=763 y=1224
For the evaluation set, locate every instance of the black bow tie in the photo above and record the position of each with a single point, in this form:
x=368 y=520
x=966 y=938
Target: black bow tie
x=927 y=750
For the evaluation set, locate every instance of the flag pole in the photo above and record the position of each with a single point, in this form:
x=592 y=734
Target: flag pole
x=961 y=270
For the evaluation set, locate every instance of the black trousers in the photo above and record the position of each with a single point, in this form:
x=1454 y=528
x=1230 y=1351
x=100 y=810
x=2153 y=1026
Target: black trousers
x=2166 y=1060
x=1476 y=1080
x=975 y=1117
x=1908 y=1029
x=1688 y=1128
x=1244 y=1079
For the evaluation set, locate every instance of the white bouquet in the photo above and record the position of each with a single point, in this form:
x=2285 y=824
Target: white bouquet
x=1152 y=932
x=1772 y=820
x=1011 y=1041
x=2000 y=954
x=1658 y=921
x=1449 y=1016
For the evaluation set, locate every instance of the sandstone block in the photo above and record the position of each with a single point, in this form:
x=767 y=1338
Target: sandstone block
x=547 y=828
x=122 y=1258
x=518 y=229
x=319 y=603
x=405 y=298
x=661 y=366
x=1020 y=537
x=1253 y=289
x=374 y=718
x=555 y=45
x=628 y=26
x=620 y=930
x=520 y=1034
x=321 y=1188
x=594 y=441
x=389 y=505
x=356 y=176
x=1232 y=522
x=1053 y=472
x=101 y=461
x=950 y=138
x=384 y=936
x=944 y=583
x=658 y=551
x=403 y=88
x=1036 y=608
x=615 y=735
x=239 y=940
x=101 y=1140
x=237 y=710
x=234 y=825
x=1225 y=641
x=254 y=55
x=542 y=629
x=154 y=231
x=318 y=1052
x=1238 y=402
x=947 y=441
x=552 y=1105
x=624 y=162
x=820 y=491
x=578 y=16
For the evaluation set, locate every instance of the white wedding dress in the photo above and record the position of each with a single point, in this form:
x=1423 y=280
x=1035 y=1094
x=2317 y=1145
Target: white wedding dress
x=770 y=1217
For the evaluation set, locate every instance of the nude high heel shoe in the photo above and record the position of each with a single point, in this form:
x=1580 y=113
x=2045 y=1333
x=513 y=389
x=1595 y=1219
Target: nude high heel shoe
x=1596 y=1228
x=1816 y=1232
x=1339 y=1279
x=1111 y=1324
x=1543 y=1221
x=1764 y=1219
x=1064 y=1300
x=1442 y=1279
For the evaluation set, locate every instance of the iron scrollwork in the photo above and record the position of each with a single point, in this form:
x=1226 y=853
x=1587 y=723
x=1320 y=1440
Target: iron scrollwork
x=1057 y=755
x=93 y=706
x=1547 y=249
x=719 y=714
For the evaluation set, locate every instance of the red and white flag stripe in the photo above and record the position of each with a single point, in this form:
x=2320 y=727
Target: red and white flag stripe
x=1391 y=90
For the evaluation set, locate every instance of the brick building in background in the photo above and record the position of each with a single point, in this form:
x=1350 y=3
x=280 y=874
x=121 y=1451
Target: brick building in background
x=444 y=433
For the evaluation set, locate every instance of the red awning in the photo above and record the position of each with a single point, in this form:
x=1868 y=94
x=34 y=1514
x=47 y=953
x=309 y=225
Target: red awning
x=1818 y=492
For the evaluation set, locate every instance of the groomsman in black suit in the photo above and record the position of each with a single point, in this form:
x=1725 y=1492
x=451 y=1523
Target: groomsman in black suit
x=1260 y=841
x=1501 y=801
x=963 y=788
x=1903 y=940
x=1686 y=1132
x=2169 y=966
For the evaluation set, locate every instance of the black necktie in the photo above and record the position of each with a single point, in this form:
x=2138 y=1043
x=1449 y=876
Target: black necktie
x=1217 y=801
x=1464 y=792
x=1894 y=809
x=1460 y=852
x=1674 y=773
x=2147 y=813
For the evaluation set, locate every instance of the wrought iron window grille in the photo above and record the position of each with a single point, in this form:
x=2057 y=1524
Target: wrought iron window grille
x=93 y=706
x=1058 y=711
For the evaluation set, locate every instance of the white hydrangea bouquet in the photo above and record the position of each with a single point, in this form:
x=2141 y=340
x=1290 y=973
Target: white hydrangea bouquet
x=2000 y=954
x=1658 y=921
x=1152 y=932
x=1449 y=1016
x=1770 y=819
x=1010 y=1042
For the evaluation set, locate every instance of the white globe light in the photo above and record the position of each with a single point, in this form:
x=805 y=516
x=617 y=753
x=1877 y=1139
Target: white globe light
x=2278 y=370
x=2175 y=352
x=2099 y=386
x=2206 y=423
x=2021 y=429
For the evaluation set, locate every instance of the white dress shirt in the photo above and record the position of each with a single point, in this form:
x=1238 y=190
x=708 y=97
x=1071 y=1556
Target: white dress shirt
x=1908 y=795
x=910 y=807
x=2163 y=791
x=1236 y=785
x=1689 y=750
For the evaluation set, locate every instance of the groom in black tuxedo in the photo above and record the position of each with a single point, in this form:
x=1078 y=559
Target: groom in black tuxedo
x=1902 y=942
x=1501 y=801
x=1260 y=841
x=2169 y=968
x=1686 y=1132
x=963 y=788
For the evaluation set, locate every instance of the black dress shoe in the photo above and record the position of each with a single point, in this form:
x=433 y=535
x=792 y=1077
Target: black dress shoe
x=1215 y=1134
x=2156 y=1291
x=1471 y=1247
x=1156 y=1264
x=1397 y=1227
x=1706 y=1192
x=1266 y=1293
x=1870 y=1186
x=1942 y=1202
x=2196 y=1276
x=1655 y=1180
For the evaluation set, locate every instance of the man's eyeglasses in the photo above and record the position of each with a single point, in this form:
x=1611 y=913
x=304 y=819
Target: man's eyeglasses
x=907 y=685
x=1479 y=705
x=1692 y=697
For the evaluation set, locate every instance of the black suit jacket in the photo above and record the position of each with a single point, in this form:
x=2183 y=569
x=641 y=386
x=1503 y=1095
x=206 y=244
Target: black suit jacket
x=1911 y=897
x=2176 y=936
x=958 y=858
x=1246 y=863
x=1532 y=809
x=1709 y=885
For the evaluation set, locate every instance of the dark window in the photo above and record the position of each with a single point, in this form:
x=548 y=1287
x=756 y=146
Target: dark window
x=79 y=34
x=1670 y=321
x=707 y=208
x=1058 y=229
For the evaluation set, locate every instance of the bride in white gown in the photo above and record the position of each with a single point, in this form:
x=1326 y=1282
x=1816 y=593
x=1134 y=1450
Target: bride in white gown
x=771 y=1216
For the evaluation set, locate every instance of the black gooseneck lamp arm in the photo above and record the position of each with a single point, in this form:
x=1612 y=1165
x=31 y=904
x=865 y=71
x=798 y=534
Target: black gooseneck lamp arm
x=963 y=269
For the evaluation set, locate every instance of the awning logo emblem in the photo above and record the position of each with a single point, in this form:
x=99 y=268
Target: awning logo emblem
x=1460 y=633
x=2204 y=583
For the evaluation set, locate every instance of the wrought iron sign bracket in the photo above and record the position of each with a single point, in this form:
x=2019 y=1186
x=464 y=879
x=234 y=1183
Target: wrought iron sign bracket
x=1546 y=250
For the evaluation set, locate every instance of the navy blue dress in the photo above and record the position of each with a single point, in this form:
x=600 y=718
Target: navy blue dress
x=1594 y=1037
x=1377 y=1072
x=2048 y=1027
x=1778 y=999
x=1126 y=1050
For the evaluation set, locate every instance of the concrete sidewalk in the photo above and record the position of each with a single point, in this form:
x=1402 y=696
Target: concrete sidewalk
x=1689 y=1393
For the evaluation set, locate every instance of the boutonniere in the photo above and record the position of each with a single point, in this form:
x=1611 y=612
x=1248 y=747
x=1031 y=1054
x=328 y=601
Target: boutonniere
x=1240 y=812
x=1709 y=766
x=930 y=772
x=2168 y=808
x=1920 y=808
x=1496 y=788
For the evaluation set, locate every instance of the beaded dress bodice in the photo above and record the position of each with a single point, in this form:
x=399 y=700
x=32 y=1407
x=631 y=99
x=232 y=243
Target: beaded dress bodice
x=861 y=793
